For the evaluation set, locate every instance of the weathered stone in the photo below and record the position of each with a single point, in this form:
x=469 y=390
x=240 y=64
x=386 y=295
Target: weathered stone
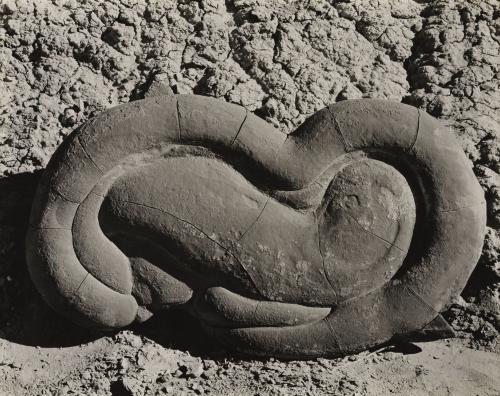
x=360 y=226
x=370 y=205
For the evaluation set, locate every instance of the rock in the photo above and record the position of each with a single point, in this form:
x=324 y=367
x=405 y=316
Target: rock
x=119 y=36
x=192 y=369
x=155 y=359
x=158 y=88
x=300 y=264
x=8 y=7
x=69 y=117
x=123 y=365
x=129 y=338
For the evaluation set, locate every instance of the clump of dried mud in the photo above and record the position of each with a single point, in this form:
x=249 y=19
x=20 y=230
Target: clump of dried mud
x=65 y=60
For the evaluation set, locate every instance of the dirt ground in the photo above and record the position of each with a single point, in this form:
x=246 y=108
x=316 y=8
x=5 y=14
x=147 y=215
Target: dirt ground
x=63 y=61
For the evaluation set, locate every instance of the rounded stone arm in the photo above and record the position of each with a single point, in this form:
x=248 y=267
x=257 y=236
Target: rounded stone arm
x=361 y=225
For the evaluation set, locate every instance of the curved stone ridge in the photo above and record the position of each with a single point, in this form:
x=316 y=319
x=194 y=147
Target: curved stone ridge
x=359 y=226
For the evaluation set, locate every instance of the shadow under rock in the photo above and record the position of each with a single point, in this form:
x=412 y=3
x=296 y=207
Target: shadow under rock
x=177 y=329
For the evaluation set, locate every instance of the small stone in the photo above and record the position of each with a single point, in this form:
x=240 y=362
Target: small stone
x=69 y=117
x=8 y=7
x=124 y=364
x=197 y=388
x=13 y=26
x=192 y=369
x=158 y=88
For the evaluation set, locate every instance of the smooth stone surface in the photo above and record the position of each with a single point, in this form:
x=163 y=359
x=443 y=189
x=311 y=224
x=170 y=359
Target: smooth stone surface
x=366 y=226
x=221 y=307
x=358 y=227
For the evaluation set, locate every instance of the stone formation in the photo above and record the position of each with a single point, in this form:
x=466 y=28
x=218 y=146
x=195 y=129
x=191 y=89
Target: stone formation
x=360 y=226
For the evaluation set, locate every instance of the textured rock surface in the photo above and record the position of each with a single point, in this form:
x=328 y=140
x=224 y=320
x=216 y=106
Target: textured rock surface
x=59 y=67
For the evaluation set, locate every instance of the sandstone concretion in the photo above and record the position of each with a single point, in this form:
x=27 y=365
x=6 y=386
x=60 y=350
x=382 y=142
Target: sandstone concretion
x=360 y=226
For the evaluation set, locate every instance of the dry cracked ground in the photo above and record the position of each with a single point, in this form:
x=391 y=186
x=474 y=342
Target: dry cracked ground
x=63 y=61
